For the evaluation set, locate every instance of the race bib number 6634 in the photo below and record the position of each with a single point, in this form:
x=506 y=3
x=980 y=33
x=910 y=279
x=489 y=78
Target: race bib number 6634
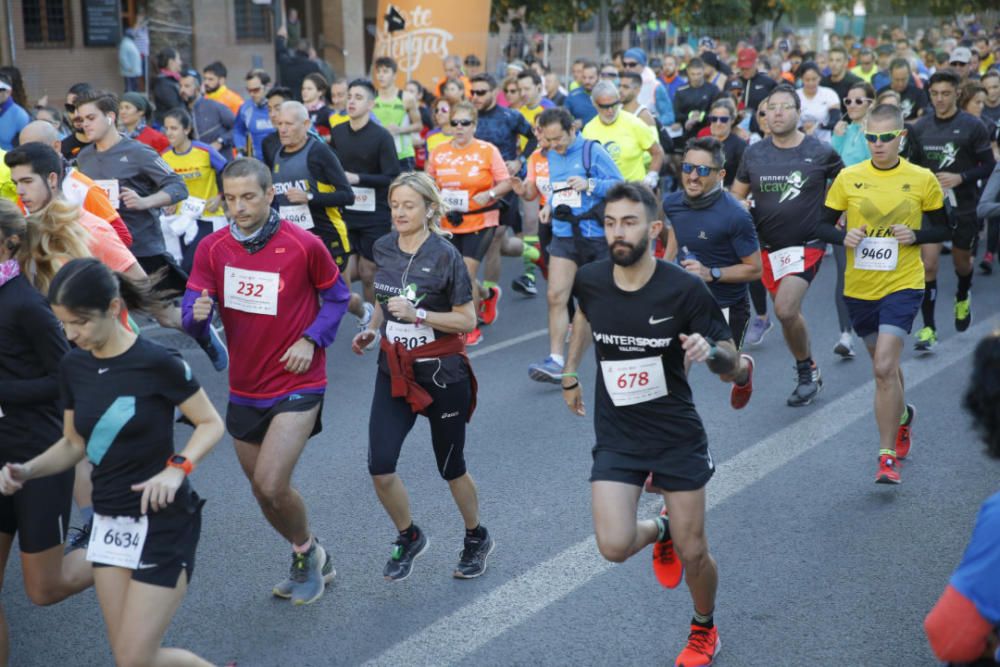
x=117 y=540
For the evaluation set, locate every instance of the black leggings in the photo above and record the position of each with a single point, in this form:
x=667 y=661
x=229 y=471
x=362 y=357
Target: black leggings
x=391 y=420
x=758 y=295
x=993 y=235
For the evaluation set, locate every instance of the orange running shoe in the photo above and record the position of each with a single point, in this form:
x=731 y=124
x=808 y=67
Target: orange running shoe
x=888 y=473
x=488 y=307
x=474 y=337
x=903 y=434
x=666 y=565
x=703 y=644
x=740 y=394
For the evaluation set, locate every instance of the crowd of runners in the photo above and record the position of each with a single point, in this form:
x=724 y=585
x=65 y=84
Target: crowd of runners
x=654 y=201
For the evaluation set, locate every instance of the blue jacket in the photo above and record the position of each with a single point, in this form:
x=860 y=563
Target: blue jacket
x=252 y=121
x=664 y=107
x=580 y=105
x=603 y=171
x=12 y=120
x=852 y=147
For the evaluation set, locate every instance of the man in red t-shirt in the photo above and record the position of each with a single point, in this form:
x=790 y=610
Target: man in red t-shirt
x=265 y=274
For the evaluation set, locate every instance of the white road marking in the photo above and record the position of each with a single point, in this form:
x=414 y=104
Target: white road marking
x=453 y=637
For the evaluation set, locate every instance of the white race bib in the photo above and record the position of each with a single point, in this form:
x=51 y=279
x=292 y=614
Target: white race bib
x=949 y=195
x=410 y=335
x=786 y=261
x=634 y=381
x=456 y=200
x=544 y=186
x=876 y=254
x=117 y=540
x=725 y=314
x=192 y=207
x=111 y=189
x=364 y=200
x=569 y=196
x=251 y=291
x=299 y=214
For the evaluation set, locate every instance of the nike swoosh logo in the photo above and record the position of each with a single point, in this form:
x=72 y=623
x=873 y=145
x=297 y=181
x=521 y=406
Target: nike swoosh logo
x=653 y=321
x=146 y=566
x=102 y=371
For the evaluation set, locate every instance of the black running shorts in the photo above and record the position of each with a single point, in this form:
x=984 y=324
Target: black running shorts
x=673 y=468
x=39 y=513
x=250 y=424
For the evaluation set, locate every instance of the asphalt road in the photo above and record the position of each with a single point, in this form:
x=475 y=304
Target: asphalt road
x=818 y=565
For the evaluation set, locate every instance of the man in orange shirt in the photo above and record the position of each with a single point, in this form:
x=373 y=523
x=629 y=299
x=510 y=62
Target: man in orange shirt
x=453 y=70
x=77 y=187
x=214 y=80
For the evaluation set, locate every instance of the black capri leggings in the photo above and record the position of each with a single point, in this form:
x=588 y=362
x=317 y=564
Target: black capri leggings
x=391 y=420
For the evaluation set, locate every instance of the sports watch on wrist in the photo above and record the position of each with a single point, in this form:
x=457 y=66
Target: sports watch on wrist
x=716 y=274
x=421 y=315
x=182 y=462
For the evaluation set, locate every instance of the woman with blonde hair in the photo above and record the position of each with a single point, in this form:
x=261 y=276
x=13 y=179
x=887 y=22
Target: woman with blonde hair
x=425 y=294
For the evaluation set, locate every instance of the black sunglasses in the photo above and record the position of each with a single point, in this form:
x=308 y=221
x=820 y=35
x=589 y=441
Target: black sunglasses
x=702 y=169
x=630 y=63
x=479 y=92
x=462 y=123
x=718 y=119
x=70 y=108
x=957 y=64
x=609 y=106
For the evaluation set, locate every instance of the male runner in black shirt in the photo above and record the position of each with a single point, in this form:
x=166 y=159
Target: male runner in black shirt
x=956 y=147
x=647 y=318
x=367 y=152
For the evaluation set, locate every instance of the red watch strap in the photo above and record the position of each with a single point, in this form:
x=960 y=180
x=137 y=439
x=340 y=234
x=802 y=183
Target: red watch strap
x=187 y=466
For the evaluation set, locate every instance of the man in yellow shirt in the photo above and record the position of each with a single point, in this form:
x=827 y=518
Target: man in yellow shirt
x=625 y=137
x=885 y=199
x=866 y=67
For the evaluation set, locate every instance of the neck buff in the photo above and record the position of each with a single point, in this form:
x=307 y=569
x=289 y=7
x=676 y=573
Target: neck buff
x=259 y=238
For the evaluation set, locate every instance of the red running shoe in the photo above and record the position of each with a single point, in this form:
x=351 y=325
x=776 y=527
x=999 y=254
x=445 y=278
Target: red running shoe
x=474 y=337
x=488 y=307
x=888 y=473
x=903 y=434
x=666 y=565
x=740 y=395
x=703 y=644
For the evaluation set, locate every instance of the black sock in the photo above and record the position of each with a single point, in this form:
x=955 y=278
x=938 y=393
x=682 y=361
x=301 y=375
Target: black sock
x=927 y=307
x=410 y=534
x=703 y=621
x=478 y=532
x=807 y=362
x=964 y=283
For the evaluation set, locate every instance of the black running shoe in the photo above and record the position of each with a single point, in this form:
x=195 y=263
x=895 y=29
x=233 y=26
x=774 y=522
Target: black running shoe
x=78 y=538
x=472 y=562
x=404 y=552
x=809 y=384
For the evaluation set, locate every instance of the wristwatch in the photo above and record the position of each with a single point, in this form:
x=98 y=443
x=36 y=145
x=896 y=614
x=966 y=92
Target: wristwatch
x=492 y=194
x=421 y=316
x=716 y=274
x=182 y=462
x=309 y=196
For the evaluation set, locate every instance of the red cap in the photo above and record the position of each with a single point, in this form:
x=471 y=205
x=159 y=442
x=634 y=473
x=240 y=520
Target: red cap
x=746 y=57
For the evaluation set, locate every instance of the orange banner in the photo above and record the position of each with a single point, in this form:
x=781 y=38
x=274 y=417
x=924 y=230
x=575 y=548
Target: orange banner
x=432 y=29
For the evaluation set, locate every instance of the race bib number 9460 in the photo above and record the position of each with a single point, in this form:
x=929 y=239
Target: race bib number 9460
x=876 y=254
x=632 y=381
x=117 y=540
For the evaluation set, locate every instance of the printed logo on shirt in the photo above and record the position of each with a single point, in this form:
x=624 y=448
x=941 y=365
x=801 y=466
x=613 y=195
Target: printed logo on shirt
x=281 y=188
x=795 y=183
x=948 y=155
x=702 y=236
x=410 y=294
x=906 y=106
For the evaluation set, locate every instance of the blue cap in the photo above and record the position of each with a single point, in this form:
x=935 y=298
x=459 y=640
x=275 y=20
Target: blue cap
x=636 y=54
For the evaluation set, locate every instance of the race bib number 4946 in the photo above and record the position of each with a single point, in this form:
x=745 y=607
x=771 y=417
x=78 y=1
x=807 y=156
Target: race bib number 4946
x=632 y=381
x=298 y=214
x=117 y=540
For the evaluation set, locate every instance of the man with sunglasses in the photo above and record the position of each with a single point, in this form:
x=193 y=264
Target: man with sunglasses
x=626 y=138
x=253 y=122
x=956 y=147
x=504 y=128
x=960 y=60
x=719 y=245
x=787 y=175
x=653 y=95
x=886 y=200
x=77 y=140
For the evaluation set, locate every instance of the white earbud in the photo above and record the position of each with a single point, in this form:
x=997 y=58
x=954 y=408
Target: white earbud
x=430 y=214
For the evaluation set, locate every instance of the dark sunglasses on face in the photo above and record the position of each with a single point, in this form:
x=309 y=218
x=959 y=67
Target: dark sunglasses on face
x=849 y=101
x=609 y=106
x=718 y=119
x=461 y=123
x=479 y=92
x=630 y=63
x=70 y=108
x=884 y=137
x=512 y=91
x=958 y=64
x=702 y=169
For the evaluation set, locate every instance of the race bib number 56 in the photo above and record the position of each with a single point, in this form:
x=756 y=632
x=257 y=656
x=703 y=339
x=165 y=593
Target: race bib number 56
x=634 y=381
x=117 y=540
x=787 y=261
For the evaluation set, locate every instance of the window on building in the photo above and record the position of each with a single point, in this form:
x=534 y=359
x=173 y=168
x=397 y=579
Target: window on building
x=253 y=21
x=46 y=23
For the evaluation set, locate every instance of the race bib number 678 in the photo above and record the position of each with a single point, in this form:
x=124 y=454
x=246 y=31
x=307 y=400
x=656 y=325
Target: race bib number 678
x=632 y=381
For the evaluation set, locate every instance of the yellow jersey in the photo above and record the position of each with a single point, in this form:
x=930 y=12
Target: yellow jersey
x=200 y=167
x=626 y=140
x=879 y=199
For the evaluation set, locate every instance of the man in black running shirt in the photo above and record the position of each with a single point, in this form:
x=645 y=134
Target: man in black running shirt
x=956 y=147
